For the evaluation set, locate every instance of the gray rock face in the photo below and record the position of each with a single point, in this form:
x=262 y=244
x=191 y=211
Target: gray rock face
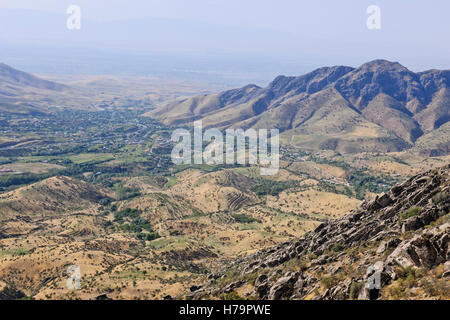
x=284 y=286
x=425 y=250
x=262 y=286
x=388 y=244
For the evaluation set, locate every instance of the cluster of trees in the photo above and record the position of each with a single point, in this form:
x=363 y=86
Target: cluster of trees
x=124 y=193
x=130 y=220
x=362 y=181
x=120 y=216
x=242 y=218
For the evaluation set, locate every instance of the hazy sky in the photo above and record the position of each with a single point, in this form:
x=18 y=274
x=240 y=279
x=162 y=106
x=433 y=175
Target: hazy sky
x=303 y=33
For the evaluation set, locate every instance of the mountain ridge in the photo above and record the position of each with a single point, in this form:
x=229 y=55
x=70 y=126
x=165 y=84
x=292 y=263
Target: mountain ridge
x=13 y=76
x=398 y=106
x=22 y=92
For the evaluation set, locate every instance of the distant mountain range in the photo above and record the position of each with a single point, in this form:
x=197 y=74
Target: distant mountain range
x=21 y=92
x=24 y=93
x=11 y=77
x=380 y=106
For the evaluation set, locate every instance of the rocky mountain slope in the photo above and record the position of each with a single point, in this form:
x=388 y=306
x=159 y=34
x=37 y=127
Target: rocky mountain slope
x=403 y=235
x=380 y=106
x=12 y=77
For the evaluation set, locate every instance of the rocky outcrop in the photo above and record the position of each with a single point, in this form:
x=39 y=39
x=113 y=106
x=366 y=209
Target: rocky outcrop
x=283 y=287
x=428 y=249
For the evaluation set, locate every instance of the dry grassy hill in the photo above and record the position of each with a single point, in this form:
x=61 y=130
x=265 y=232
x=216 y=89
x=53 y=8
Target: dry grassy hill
x=53 y=196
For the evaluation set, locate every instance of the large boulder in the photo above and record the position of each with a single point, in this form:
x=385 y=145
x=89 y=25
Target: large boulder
x=284 y=287
x=425 y=250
